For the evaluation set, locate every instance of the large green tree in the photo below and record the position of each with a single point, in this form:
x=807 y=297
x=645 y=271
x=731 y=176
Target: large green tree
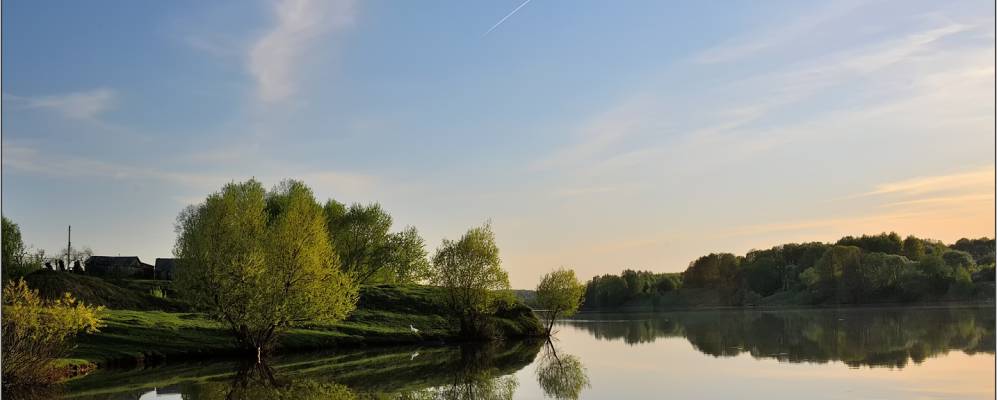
x=360 y=235
x=470 y=271
x=261 y=261
x=406 y=260
x=560 y=294
x=367 y=249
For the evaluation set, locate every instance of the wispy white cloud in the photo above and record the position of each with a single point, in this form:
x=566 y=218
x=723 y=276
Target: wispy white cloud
x=908 y=73
x=216 y=45
x=746 y=45
x=77 y=105
x=946 y=201
x=273 y=59
x=29 y=160
x=981 y=179
x=600 y=133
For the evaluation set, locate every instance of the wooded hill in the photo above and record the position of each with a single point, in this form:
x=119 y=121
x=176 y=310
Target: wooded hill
x=882 y=268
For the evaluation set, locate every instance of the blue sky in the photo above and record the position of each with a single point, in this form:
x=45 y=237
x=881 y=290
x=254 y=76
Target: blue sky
x=595 y=135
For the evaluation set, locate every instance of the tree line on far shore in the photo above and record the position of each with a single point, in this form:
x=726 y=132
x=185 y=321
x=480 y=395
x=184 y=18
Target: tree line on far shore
x=854 y=270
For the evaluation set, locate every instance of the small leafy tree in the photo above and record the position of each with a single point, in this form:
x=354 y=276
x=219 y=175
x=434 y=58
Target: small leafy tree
x=37 y=332
x=470 y=271
x=16 y=259
x=261 y=262
x=560 y=293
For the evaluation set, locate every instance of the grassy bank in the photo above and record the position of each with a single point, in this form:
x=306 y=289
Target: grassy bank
x=384 y=316
x=146 y=325
x=383 y=370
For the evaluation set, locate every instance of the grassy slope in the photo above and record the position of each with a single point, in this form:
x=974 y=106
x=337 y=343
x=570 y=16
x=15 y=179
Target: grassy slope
x=382 y=317
x=123 y=295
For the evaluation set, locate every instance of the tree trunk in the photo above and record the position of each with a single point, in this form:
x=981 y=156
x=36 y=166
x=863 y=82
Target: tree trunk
x=550 y=323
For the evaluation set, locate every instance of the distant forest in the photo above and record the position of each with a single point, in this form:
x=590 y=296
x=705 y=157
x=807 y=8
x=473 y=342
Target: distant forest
x=882 y=268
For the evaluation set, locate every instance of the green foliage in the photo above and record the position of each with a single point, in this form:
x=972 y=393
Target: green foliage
x=360 y=236
x=561 y=376
x=884 y=337
x=957 y=259
x=381 y=372
x=560 y=293
x=383 y=316
x=889 y=243
x=259 y=381
x=36 y=332
x=865 y=269
x=17 y=261
x=981 y=249
x=764 y=271
x=714 y=271
x=613 y=291
x=936 y=272
x=471 y=273
x=406 y=257
x=261 y=261
x=368 y=251
x=913 y=248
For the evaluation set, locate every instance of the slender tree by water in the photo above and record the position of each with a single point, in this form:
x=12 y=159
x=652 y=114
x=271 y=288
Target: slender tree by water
x=470 y=271
x=560 y=294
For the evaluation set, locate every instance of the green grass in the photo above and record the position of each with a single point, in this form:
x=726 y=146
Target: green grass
x=146 y=324
x=120 y=294
x=383 y=317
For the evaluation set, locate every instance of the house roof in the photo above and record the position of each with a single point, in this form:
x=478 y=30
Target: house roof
x=165 y=263
x=108 y=262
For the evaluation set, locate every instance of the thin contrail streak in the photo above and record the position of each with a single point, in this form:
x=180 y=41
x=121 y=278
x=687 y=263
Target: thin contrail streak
x=505 y=18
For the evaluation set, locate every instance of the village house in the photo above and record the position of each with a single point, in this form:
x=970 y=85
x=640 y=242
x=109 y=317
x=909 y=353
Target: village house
x=164 y=268
x=118 y=267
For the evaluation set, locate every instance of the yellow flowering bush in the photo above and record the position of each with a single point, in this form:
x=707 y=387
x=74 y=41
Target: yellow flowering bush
x=36 y=332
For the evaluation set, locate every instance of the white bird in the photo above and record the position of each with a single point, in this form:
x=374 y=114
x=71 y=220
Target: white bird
x=416 y=331
x=414 y=355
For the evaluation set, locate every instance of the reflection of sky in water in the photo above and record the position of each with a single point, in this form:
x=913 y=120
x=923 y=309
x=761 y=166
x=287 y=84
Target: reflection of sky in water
x=160 y=394
x=670 y=367
x=624 y=359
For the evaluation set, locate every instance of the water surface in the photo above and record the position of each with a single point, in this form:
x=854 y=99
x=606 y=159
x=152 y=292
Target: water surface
x=884 y=353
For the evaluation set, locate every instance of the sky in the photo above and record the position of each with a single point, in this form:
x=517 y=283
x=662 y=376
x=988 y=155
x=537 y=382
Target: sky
x=593 y=135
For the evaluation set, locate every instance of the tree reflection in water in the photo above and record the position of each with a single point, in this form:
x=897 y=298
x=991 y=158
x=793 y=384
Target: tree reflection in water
x=476 y=376
x=260 y=381
x=889 y=337
x=560 y=375
x=446 y=372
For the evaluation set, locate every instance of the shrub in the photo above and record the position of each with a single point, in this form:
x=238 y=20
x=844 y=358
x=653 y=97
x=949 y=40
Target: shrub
x=36 y=332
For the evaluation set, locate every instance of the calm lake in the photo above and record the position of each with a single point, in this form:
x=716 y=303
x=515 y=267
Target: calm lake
x=869 y=353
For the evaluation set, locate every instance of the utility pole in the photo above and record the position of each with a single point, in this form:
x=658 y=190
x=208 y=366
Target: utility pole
x=69 y=247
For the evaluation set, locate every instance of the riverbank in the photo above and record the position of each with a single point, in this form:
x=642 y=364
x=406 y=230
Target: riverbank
x=374 y=369
x=712 y=299
x=382 y=318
